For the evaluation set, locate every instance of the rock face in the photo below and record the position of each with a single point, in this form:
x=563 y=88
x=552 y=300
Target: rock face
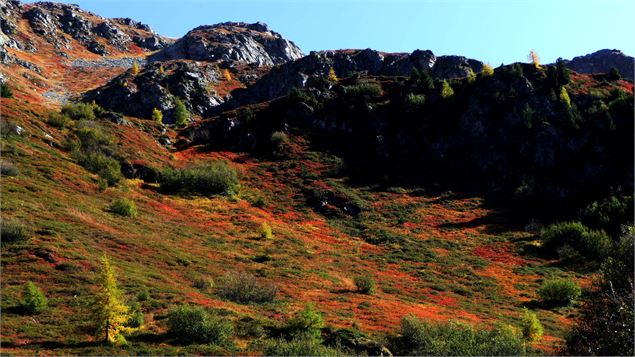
x=280 y=80
x=602 y=61
x=157 y=86
x=49 y=20
x=232 y=42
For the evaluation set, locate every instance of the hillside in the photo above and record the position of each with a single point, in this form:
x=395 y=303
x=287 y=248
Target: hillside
x=374 y=187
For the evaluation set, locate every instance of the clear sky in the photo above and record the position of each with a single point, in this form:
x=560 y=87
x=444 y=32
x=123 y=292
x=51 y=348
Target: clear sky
x=494 y=31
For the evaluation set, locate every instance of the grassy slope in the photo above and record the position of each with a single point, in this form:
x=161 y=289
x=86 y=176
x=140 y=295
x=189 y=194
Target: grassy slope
x=460 y=259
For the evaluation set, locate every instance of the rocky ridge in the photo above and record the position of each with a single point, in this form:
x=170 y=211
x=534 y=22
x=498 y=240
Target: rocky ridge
x=602 y=61
x=280 y=80
x=58 y=23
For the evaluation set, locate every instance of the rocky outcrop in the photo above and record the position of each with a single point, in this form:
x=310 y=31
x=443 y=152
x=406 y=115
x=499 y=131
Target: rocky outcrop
x=232 y=42
x=280 y=80
x=9 y=11
x=132 y=23
x=602 y=61
x=113 y=34
x=157 y=86
x=49 y=20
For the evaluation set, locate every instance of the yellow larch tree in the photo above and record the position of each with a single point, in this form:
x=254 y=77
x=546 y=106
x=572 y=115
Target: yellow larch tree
x=332 y=75
x=533 y=58
x=110 y=312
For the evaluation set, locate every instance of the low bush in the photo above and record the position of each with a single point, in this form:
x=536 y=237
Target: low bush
x=299 y=346
x=106 y=167
x=590 y=243
x=364 y=89
x=559 y=292
x=609 y=213
x=33 y=299
x=5 y=90
x=79 y=111
x=13 y=232
x=279 y=142
x=136 y=318
x=421 y=338
x=414 y=102
x=365 y=284
x=244 y=288
x=8 y=169
x=143 y=295
x=59 y=120
x=124 y=207
x=204 y=283
x=188 y=324
x=94 y=150
x=299 y=96
x=216 y=177
x=93 y=139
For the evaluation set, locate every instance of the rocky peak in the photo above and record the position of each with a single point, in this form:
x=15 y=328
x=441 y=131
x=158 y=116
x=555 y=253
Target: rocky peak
x=232 y=42
x=132 y=23
x=602 y=61
x=49 y=20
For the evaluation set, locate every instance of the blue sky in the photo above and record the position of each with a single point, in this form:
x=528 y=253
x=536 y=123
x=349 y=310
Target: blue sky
x=494 y=31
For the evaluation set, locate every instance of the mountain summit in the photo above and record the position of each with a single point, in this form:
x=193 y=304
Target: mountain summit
x=232 y=41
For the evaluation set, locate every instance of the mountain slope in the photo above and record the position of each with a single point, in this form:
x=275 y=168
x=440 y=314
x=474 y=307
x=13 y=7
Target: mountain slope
x=432 y=185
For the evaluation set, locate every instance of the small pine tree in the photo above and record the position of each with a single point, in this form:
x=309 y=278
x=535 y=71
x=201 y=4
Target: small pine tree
x=532 y=329
x=33 y=299
x=563 y=72
x=110 y=313
x=488 y=70
x=614 y=74
x=135 y=67
x=446 y=90
x=227 y=75
x=181 y=115
x=533 y=58
x=333 y=75
x=307 y=322
x=157 y=116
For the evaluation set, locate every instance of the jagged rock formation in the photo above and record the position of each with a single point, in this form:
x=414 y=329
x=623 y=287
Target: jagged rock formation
x=157 y=86
x=602 y=61
x=52 y=21
x=280 y=80
x=232 y=42
x=195 y=71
